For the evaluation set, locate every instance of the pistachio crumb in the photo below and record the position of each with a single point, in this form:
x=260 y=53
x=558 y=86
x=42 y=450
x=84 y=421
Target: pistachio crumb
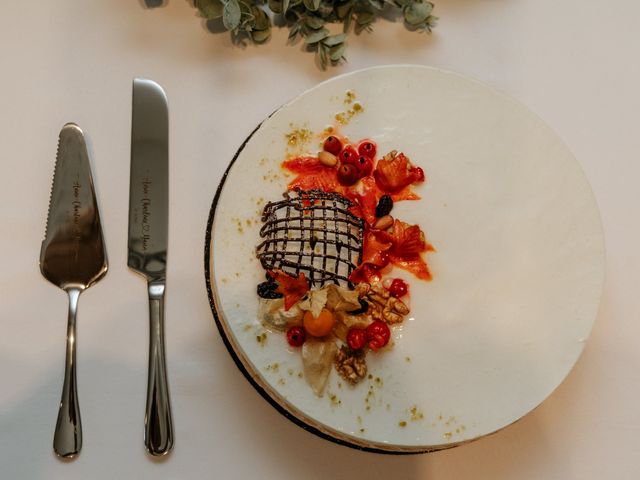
x=415 y=413
x=349 y=97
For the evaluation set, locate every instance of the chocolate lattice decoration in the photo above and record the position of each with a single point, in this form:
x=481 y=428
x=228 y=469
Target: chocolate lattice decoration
x=313 y=232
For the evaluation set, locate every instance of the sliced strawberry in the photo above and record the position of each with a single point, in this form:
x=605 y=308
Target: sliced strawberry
x=407 y=239
x=312 y=175
x=375 y=256
x=415 y=265
x=366 y=197
x=302 y=164
x=366 y=273
x=396 y=173
x=408 y=245
x=376 y=249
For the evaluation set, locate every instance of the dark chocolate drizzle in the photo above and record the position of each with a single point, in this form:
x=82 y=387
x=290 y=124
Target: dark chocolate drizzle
x=314 y=232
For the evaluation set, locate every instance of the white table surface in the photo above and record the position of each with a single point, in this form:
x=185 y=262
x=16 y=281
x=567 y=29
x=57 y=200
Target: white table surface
x=574 y=63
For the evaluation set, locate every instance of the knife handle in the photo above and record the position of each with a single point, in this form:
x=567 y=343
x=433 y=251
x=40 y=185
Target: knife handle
x=67 y=439
x=158 y=422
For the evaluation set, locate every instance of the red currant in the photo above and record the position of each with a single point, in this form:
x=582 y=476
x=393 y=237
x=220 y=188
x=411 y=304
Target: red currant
x=296 y=336
x=364 y=165
x=367 y=148
x=398 y=288
x=356 y=338
x=347 y=174
x=332 y=145
x=378 y=334
x=348 y=155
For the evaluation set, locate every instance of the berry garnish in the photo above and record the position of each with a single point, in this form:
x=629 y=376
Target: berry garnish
x=348 y=155
x=296 y=336
x=356 y=338
x=364 y=165
x=384 y=206
x=398 y=288
x=332 y=145
x=268 y=290
x=321 y=325
x=378 y=334
x=367 y=148
x=347 y=174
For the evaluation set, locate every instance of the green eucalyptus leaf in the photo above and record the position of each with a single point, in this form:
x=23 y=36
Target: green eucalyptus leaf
x=332 y=40
x=210 y=9
x=260 y=36
x=336 y=53
x=313 y=22
x=231 y=15
x=348 y=20
x=417 y=12
x=359 y=28
x=365 y=18
x=344 y=9
x=325 y=9
x=322 y=55
x=262 y=21
x=275 y=6
x=311 y=5
x=250 y=20
x=317 y=36
x=247 y=19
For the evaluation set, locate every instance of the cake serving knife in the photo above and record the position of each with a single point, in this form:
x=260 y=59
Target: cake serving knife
x=148 y=239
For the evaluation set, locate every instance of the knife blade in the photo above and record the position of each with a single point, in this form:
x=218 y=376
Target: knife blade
x=147 y=245
x=72 y=257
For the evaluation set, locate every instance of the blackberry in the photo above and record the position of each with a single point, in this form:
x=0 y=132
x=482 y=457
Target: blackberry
x=384 y=206
x=268 y=290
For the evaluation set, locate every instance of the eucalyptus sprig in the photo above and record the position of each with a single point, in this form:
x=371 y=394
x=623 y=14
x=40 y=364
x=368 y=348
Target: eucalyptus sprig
x=307 y=20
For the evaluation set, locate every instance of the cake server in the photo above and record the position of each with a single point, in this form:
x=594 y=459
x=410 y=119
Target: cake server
x=72 y=257
x=148 y=232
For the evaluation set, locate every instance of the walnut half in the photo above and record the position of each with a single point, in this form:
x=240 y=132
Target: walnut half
x=351 y=365
x=382 y=306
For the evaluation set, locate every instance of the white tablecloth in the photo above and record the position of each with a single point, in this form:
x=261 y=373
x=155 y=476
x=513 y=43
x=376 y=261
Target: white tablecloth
x=574 y=63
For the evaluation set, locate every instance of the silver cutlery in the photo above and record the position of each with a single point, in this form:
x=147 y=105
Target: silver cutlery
x=148 y=232
x=72 y=257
